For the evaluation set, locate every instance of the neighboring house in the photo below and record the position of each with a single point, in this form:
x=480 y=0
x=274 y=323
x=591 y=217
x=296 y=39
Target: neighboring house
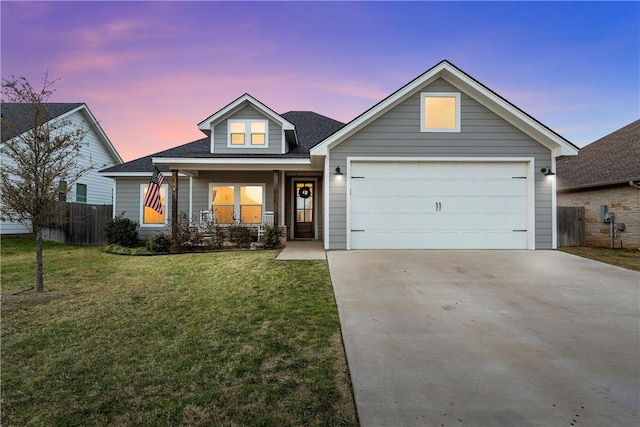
x=443 y=162
x=99 y=153
x=605 y=173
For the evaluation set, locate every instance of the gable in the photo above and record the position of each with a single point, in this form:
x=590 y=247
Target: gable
x=77 y=113
x=463 y=83
x=248 y=112
x=482 y=132
x=248 y=115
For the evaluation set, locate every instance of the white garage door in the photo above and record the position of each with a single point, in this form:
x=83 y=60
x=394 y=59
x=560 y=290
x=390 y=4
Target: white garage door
x=438 y=205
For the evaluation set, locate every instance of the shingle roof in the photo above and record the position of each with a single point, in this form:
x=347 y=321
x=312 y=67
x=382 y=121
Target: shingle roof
x=612 y=159
x=19 y=115
x=311 y=128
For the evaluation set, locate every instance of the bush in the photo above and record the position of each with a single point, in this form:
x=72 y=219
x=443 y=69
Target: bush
x=159 y=243
x=213 y=236
x=240 y=235
x=122 y=231
x=271 y=237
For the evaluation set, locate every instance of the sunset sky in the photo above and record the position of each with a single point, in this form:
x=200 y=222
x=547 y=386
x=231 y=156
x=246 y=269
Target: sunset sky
x=150 y=71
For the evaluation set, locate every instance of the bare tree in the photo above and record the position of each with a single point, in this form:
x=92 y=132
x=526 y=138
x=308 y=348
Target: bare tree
x=40 y=158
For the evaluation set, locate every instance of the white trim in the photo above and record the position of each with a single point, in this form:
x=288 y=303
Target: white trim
x=207 y=123
x=247 y=133
x=470 y=87
x=229 y=161
x=531 y=222
x=114 y=195
x=325 y=201
x=554 y=206
x=190 y=199
x=294 y=179
x=423 y=95
x=213 y=139
x=165 y=187
x=236 y=197
x=135 y=174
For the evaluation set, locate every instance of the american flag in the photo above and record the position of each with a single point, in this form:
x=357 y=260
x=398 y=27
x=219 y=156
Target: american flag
x=152 y=198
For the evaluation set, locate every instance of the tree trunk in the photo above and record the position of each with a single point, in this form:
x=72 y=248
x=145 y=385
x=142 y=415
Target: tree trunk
x=39 y=274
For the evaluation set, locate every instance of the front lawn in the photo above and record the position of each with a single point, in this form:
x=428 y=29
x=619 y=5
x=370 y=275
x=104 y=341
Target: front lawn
x=627 y=258
x=224 y=339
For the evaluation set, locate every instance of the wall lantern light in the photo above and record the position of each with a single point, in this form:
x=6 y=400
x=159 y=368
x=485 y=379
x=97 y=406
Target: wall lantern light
x=338 y=172
x=547 y=171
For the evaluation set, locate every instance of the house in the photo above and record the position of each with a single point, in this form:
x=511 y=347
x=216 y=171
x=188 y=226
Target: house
x=443 y=162
x=605 y=173
x=91 y=188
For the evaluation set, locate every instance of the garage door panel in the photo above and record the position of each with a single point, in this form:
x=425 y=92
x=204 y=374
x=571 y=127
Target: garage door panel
x=447 y=205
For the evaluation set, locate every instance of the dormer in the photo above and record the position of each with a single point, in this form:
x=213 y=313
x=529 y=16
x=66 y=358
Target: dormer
x=247 y=126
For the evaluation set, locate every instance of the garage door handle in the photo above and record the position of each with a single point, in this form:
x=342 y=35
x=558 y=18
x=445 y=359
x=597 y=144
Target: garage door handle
x=438 y=206
x=520 y=230
x=362 y=231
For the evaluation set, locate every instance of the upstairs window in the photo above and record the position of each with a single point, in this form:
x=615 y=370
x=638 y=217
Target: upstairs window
x=81 y=193
x=440 y=112
x=247 y=133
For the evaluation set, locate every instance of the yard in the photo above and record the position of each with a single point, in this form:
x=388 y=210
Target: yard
x=224 y=339
x=626 y=258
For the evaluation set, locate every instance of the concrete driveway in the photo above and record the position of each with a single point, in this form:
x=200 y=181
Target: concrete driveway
x=489 y=338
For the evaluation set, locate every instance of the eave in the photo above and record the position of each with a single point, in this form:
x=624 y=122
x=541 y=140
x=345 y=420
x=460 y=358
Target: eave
x=447 y=71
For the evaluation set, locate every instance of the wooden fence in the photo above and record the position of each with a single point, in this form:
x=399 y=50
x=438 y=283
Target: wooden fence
x=570 y=226
x=79 y=224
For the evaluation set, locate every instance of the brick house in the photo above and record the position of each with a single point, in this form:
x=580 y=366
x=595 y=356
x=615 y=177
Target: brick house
x=605 y=172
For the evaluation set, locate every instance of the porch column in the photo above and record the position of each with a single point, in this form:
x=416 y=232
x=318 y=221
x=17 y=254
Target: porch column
x=174 y=205
x=276 y=196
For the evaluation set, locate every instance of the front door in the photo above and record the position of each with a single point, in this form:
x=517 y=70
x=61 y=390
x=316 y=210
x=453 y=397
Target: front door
x=304 y=196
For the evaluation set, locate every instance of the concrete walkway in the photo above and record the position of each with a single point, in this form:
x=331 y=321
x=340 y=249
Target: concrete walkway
x=301 y=250
x=489 y=338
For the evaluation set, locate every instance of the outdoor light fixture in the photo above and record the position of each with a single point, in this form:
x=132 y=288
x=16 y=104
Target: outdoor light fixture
x=338 y=172
x=547 y=171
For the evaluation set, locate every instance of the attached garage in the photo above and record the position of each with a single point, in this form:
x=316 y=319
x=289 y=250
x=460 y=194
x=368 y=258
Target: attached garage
x=442 y=163
x=440 y=204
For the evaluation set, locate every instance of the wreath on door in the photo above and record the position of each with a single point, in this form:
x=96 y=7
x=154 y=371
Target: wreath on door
x=304 y=192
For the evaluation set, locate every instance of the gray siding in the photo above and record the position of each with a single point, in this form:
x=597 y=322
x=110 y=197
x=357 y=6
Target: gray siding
x=201 y=186
x=397 y=134
x=129 y=201
x=274 y=138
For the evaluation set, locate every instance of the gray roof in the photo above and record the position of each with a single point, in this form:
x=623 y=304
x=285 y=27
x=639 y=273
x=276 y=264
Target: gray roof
x=311 y=128
x=19 y=114
x=612 y=159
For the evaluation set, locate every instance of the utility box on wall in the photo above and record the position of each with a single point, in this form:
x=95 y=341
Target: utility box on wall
x=605 y=216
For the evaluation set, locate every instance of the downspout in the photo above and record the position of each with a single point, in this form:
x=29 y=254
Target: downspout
x=635 y=184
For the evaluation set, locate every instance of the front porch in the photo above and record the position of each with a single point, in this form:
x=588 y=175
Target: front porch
x=288 y=200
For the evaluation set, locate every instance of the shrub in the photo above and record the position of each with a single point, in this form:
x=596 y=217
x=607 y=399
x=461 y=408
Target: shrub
x=271 y=237
x=122 y=231
x=159 y=243
x=184 y=237
x=240 y=235
x=215 y=235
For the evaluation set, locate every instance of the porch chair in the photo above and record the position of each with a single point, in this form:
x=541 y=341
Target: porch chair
x=206 y=218
x=267 y=219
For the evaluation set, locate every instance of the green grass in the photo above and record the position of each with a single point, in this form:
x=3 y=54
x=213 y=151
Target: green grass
x=626 y=258
x=224 y=339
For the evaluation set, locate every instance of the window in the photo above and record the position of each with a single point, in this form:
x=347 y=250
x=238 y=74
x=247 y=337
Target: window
x=440 y=112
x=81 y=193
x=244 y=133
x=237 y=202
x=148 y=216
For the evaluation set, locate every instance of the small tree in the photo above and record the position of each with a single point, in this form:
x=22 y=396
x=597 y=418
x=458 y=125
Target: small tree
x=39 y=157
